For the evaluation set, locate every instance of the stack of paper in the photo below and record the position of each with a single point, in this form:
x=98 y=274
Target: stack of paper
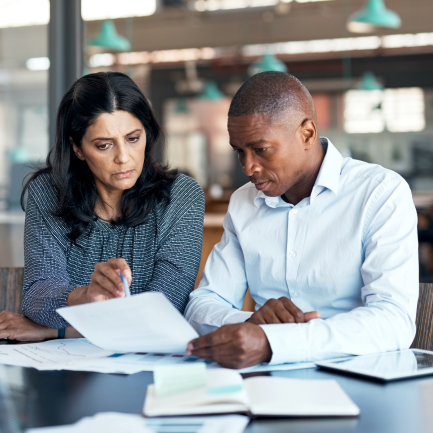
x=124 y=335
x=113 y=422
x=79 y=354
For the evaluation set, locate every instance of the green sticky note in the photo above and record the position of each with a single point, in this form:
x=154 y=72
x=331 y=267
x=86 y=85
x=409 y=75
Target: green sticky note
x=174 y=379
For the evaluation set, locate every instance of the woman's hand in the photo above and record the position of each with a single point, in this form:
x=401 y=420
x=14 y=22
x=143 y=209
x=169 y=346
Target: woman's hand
x=17 y=327
x=105 y=283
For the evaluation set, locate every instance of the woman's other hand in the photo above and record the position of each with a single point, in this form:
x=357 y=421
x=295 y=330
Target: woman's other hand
x=17 y=327
x=105 y=283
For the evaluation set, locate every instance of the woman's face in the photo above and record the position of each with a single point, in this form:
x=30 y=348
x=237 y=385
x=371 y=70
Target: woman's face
x=113 y=147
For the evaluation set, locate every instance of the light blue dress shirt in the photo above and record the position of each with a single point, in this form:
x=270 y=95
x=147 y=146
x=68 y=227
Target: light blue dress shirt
x=349 y=251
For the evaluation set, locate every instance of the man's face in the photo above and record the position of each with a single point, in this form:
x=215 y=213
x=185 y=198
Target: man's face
x=273 y=156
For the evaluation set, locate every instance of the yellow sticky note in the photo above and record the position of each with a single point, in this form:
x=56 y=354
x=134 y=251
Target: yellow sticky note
x=174 y=379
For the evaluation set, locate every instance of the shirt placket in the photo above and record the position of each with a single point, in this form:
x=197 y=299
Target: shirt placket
x=294 y=253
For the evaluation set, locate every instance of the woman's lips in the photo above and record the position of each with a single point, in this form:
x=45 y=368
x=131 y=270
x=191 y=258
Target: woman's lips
x=123 y=174
x=262 y=185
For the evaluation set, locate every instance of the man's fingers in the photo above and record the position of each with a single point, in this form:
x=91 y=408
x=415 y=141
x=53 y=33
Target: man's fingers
x=209 y=340
x=284 y=315
x=296 y=312
x=271 y=318
x=311 y=315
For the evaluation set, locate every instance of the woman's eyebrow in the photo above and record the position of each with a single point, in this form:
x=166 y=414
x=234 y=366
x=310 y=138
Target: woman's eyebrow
x=109 y=138
x=135 y=130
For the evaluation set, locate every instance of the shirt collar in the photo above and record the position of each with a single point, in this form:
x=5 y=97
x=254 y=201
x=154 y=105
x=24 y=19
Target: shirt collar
x=328 y=177
x=329 y=174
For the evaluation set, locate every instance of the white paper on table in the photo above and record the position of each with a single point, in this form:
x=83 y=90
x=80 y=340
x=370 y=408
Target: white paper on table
x=132 y=363
x=50 y=355
x=113 y=422
x=78 y=354
x=277 y=367
x=147 y=322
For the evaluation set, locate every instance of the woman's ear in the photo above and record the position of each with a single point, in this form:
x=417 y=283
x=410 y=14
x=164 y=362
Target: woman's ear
x=77 y=150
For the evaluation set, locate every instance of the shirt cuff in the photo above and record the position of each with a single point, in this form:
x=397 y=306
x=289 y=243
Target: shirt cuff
x=288 y=342
x=237 y=317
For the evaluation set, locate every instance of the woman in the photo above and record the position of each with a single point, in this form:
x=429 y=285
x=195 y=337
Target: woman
x=101 y=206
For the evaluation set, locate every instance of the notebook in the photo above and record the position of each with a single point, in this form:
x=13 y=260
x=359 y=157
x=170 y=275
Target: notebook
x=263 y=396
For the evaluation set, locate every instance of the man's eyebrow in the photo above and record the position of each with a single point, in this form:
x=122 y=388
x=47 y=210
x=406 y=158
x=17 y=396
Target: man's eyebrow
x=109 y=138
x=252 y=143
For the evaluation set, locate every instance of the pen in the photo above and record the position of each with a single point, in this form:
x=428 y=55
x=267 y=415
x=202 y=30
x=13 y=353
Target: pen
x=125 y=285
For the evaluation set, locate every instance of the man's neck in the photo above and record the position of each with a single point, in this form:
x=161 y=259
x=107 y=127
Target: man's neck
x=306 y=182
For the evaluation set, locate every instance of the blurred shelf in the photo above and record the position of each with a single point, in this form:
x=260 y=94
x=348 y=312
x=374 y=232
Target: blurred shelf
x=213 y=219
x=12 y=217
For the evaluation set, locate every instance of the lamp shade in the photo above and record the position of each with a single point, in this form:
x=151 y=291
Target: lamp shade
x=267 y=63
x=109 y=39
x=369 y=82
x=374 y=15
x=211 y=92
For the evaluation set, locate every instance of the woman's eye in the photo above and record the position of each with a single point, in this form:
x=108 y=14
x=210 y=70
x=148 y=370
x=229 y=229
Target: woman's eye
x=103 y=146
x=134 y=139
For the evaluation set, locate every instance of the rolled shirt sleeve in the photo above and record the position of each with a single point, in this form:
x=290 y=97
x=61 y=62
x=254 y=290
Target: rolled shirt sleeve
x=208 y=310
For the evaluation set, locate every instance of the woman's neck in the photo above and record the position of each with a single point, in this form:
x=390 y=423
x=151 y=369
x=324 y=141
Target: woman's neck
x=108 y=204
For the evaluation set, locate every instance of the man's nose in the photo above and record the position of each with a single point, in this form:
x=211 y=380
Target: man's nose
x=249 y=166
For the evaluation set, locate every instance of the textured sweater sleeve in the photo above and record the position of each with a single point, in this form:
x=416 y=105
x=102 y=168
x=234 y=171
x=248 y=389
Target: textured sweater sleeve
x=181 y=234
x=46 y=281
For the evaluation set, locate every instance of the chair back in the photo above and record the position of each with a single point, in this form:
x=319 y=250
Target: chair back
x=424 y=318
x=11 y=288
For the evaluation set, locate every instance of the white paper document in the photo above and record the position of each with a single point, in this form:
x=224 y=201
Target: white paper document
x=78 y=354
x=50 y=355
x=147 y=322
x=113 y=422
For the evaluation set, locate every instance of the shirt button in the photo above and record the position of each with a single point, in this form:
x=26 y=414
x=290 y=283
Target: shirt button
x=295 y=294
x=295 y=211
x=292 y=254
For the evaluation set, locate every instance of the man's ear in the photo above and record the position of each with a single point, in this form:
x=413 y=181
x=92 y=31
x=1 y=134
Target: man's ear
x=77 y=150
x=308 y=133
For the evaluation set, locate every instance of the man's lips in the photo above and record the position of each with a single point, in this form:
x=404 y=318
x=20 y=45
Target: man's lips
x=262 y=185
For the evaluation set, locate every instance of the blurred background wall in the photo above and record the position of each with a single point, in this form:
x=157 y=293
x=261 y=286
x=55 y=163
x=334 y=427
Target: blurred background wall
x=371 y=76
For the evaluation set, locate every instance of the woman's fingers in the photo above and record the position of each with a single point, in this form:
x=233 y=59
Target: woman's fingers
x=122 y=266
x=106 y=281
x=105 y=285
x=17 y=327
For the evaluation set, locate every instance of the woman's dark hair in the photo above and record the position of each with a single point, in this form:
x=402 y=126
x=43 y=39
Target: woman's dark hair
x=89 y=97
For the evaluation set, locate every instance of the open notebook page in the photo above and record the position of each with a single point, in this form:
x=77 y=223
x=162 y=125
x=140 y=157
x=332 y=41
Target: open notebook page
x=278 y=396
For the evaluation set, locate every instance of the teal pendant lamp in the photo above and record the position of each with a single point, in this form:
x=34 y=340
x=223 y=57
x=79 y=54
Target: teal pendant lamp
x=109 y=39
x=369 y=82
x=181 y=105
x=267 y=63
x=374 y=15
x=211 y=92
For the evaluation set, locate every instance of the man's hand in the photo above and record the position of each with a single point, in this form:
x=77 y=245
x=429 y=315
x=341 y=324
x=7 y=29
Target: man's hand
x=17 y=327
x=105 y=283
x=233 y=346
x=281 y=310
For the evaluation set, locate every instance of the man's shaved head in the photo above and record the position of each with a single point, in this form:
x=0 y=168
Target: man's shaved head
x=279 y=96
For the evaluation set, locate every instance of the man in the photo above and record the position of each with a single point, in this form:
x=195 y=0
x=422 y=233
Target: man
x=327 y=245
